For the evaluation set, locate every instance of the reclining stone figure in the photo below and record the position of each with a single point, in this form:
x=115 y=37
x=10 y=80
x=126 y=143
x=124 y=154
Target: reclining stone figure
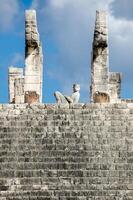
x=74 y=98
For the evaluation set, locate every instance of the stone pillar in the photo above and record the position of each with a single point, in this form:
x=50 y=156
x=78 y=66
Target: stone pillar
x=105 y=86
x=19 y=90
x=114 y=86
x=33 y=58
x=13 y=75
x=99 y=65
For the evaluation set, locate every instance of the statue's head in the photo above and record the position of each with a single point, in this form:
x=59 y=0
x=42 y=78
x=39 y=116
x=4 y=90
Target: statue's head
x=76 y=87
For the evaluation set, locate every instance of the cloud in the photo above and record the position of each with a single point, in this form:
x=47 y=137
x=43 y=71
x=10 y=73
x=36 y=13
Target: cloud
x=35 y=4
x=70 y=24
x=122 y=9
x=121 y=49
x=9 y=9
x=17 y=58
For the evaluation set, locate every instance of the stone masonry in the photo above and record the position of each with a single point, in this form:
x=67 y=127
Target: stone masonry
x=51 y=152
x=105 y=86
x=30 y=79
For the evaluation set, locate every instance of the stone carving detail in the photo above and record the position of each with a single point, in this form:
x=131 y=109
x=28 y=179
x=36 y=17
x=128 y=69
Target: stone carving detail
x=31 y=97
x=74 y=98
x=100 y=97
x=102 y=81
x=31 y=82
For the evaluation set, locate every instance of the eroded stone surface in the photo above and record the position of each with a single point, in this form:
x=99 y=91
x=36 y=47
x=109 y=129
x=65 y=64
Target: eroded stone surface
x=19 y=90
x=31 y=97
x=32 y=77
x=33 y=55
x=102 y=81
x=15 y=77
x=101 y=97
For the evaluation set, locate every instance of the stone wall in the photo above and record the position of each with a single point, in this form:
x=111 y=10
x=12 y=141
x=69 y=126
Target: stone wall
x=51 y=152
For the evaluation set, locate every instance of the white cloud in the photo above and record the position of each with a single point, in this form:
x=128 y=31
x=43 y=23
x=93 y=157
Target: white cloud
x=121 y=50
x=35 y=4
x=123 y=9
x=16 y=59
x=121 y=28
x=8 y=12
x=58 y=3
x=78 y=3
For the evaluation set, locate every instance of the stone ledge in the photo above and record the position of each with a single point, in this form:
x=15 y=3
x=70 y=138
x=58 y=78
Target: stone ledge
x=54 y=106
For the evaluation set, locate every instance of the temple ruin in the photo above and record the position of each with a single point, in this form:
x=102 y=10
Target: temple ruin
x=25 y=85
x=66 y=151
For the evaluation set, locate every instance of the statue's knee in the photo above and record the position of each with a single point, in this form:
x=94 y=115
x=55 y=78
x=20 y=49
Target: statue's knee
x=56 y=93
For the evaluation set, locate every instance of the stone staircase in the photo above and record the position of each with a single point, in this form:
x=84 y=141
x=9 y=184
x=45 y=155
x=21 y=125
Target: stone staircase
x=81 y=152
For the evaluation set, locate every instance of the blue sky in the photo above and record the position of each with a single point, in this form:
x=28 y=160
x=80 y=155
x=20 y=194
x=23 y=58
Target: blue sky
x=66 y=31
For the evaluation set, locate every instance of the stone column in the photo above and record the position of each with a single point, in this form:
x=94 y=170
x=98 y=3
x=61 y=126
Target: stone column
x=105 y=85
x=33 y=58
x=114 y=86
x=19 y=90
x=99 y=65
x=13 y=75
